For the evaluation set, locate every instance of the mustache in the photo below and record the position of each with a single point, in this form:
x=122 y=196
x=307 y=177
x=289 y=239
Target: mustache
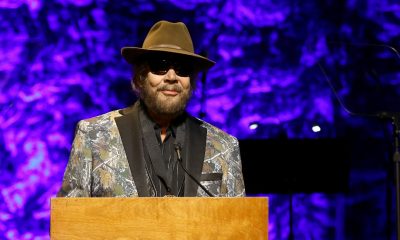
x=166 y=87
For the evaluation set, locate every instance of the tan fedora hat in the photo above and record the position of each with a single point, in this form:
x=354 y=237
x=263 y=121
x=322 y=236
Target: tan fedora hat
x=167 y=37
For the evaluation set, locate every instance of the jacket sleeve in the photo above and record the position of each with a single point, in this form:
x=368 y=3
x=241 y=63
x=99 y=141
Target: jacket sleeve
x=234 y=177
x=77 y=176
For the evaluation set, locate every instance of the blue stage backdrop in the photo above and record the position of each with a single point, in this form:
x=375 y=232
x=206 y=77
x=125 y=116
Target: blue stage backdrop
x=282 y=70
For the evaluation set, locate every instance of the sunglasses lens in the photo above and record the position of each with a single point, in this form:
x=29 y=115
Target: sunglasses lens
x=159 y=66
x=162 y=66
x=183 y=70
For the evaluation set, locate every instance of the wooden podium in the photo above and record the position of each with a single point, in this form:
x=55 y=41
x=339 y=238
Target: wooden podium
x=159 y=218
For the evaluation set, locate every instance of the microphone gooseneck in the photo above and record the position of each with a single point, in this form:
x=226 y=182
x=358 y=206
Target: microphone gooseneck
x=179 y=156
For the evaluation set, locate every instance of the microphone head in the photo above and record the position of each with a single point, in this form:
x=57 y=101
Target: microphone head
x=178 y=146
x=178 y=151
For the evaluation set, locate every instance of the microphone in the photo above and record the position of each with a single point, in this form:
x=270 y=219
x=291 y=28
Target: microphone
x=178 y=154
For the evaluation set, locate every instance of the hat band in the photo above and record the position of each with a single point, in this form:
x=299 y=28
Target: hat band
x=166 y=46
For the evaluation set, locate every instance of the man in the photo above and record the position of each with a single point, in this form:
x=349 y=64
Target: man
x=155 y=148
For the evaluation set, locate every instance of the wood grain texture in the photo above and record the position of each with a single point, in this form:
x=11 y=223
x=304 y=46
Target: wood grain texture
x=159 y=218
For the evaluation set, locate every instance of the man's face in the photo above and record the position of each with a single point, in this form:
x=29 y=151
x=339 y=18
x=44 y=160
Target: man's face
x=167 y=88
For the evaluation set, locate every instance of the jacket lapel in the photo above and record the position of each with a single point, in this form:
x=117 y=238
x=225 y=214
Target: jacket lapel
x=129 y=129
x=194 y=151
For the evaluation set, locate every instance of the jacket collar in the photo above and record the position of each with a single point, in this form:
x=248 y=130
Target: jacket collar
x=194 y=152
x=129 y=130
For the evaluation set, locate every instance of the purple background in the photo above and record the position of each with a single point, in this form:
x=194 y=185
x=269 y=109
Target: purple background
x=60 y=62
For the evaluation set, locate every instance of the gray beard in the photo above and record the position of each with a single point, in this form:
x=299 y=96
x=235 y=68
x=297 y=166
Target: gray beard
x=165 y=106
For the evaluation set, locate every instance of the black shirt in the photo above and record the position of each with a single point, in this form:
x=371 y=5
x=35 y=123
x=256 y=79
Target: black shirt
x=167 y=149
x=160 y=157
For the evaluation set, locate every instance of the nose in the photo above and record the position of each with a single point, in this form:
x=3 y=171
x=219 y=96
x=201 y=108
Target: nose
x=171 y=74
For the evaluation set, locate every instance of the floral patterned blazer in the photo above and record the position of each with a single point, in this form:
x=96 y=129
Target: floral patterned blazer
x=107 y=160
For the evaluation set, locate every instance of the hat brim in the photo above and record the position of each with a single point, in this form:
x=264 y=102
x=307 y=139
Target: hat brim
x=134 y=55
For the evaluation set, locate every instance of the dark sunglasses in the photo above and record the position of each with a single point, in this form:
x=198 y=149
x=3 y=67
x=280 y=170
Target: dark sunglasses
x=160 y=66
